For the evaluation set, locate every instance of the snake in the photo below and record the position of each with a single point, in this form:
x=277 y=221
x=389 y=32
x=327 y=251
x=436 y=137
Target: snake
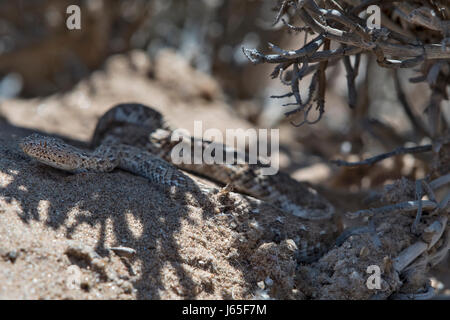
x=135 y=138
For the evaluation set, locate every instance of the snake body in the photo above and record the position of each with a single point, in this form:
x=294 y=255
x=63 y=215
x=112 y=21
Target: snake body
x=134 y=138
x=143 y=127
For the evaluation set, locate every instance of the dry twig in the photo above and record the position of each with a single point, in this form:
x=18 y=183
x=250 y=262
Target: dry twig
x=338 y=21
x=370 y=161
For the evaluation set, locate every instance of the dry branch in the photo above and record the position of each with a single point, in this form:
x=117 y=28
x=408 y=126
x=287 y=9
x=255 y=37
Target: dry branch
x=395 y=43
x=412 y=34
x=398 y=151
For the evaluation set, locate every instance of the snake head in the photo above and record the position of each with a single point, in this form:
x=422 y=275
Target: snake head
x=51 y=151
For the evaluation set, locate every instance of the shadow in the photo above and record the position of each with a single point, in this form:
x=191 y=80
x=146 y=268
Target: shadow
x=113 y=205
x=104 y=200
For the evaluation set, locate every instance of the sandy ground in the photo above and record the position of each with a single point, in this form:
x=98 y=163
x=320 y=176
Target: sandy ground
x=57 y=229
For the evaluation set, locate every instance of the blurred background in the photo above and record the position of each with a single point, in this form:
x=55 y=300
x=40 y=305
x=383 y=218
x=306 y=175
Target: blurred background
x=41 y=56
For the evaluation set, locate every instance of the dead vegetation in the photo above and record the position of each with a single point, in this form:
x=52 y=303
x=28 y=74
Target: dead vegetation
x=409 y=34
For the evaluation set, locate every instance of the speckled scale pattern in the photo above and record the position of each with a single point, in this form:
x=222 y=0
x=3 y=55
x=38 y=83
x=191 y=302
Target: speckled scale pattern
x=134 y=138
x=136 y=125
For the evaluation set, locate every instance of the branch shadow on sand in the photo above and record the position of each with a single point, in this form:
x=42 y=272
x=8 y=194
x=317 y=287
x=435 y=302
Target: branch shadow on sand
x=184 y=249
x=118 y=204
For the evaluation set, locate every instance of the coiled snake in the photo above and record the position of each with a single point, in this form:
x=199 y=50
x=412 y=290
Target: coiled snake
x=133 y=137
